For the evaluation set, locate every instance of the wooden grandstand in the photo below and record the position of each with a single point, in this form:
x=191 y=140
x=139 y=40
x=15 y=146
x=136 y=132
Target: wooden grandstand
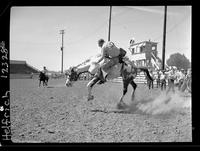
x=20 y=69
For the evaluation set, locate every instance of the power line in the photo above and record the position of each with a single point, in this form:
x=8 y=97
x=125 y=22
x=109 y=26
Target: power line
x=91 y=34
x=148 y=10
x=119 y=14
x=96 y=30
x=176 y=25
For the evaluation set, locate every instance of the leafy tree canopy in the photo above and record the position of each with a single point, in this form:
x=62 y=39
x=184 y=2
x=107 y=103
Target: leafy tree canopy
x=179 y=60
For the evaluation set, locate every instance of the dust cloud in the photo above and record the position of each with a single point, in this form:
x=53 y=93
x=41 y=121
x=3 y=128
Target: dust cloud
x=165 y=103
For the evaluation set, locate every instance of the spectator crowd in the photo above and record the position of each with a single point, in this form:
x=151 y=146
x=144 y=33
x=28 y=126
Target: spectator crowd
x=170 y=77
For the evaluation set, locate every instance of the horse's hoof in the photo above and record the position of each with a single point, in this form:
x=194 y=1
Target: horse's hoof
x=90 y=97
x=68 y=85
x=121 y=105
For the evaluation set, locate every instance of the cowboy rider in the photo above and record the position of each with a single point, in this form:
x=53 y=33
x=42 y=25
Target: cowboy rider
x=111 y=55
x=45 y=70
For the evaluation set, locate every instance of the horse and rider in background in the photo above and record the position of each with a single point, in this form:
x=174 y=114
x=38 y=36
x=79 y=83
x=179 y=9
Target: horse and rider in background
x=43 y=77
x=71 y=76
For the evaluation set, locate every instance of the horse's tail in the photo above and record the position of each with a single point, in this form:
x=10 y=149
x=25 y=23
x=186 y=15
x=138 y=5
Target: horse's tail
x=144 y=69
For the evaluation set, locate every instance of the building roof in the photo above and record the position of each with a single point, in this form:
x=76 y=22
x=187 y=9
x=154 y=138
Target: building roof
x=20 y=66
x=144 y=42
x=17 y=62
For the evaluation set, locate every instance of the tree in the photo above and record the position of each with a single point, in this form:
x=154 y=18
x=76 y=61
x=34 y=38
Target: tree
x=179 y=60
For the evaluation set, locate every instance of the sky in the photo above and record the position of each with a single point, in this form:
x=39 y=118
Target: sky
x=35 y=32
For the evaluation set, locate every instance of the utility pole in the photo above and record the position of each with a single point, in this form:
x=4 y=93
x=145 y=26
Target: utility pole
x=62 y=32
x=109 y=23
x=164 y=38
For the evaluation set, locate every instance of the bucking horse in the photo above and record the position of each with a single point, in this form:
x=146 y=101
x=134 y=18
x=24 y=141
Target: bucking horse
x=125 y=69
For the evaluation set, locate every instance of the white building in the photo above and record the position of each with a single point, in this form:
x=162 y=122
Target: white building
x=145 y=54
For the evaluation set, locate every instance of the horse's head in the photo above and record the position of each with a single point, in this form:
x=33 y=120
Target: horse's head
x=71 y=76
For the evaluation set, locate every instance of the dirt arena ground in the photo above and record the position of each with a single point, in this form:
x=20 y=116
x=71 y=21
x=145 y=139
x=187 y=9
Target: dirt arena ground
x=59 y=114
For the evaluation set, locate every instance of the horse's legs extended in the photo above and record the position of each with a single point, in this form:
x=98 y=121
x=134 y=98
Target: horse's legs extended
x=121 y=103
x=90 y=85
x=134 y=85
x=125 y=88
x=46 y=82
x=149 y=84
x=152 y=84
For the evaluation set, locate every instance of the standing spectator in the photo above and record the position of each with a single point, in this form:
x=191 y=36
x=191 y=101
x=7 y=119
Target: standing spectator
x=186 y=81
x=157 y=79
x=189 y=73
x=185 y=73
x=150 y=82
x=180 y=78
x=132 y=41
x=171 y=79
x=163 y=80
